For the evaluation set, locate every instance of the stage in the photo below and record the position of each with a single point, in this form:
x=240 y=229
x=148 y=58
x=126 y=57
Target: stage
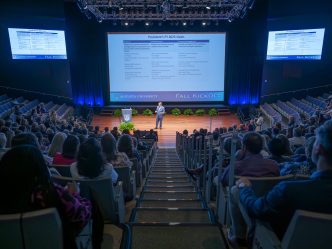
x=171 y=124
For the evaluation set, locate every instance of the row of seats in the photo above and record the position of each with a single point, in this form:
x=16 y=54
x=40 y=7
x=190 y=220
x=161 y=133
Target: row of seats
x=305 y=227
x=44 y=227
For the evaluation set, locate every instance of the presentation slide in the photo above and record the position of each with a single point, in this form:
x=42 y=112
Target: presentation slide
x=166 y=67
x=37 y=44
x=305 y=44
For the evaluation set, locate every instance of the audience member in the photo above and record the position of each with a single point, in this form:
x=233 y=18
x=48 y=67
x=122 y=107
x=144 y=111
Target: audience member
x=69 y=151
x=109 y=148
x=278 y=206
x=253 y=163
x=57 y=144
x=91 y=163
x=26 y=185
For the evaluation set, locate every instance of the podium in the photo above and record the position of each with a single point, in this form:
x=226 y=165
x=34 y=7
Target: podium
x=126 y=115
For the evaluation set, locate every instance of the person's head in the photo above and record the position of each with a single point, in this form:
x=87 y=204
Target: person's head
x=90 y=160
x=56 y=144
x=108 y=144
x=322 y=150
x=228 y=145
x=286 y=144
x=160 y=104
x=106 y=129
x=126 y=131
x=25 y=138
x=275 y=131
x=151 y=131
x=70 y=147
x=276 y=147
x=23 y=171
x=185 y=132
x=125 y=144
x=3 y=140
x=252 y=143
x=82 y=138
x=215 y=135
x=297 y=132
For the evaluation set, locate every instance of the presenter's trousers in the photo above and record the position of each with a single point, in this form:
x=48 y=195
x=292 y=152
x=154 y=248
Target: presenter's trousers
x=159 y=119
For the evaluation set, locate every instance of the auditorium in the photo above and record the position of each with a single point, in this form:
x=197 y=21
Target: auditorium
x=166 y=124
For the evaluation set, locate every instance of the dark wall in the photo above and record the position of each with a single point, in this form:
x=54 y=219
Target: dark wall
x=45 y=76
x=286 y=76
x=87 y=48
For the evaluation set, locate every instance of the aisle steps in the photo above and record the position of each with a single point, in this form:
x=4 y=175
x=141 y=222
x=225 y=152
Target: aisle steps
x=170 y=212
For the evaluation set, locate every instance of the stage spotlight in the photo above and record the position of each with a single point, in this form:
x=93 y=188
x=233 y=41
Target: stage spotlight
x=126 y=23
x=147 y=23
x=208 y=7
x=100 y=20
x=184 y=23
x=230 y=19
x=203 y=23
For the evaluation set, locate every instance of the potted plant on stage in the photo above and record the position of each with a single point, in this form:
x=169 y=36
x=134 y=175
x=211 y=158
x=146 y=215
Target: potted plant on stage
x=147 y=112
x=176 y=112
x=117 y=113
x=127 y=126
x=188 y=112
x=134 y=112
x=213 y=112
x=200 y=112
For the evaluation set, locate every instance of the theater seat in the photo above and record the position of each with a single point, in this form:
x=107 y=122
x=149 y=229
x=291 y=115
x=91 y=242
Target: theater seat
x=109 y=198
x=128 y=178
x=38 y=229
x=307 y=230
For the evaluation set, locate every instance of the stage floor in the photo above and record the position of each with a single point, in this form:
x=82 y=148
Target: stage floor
x=171 y=125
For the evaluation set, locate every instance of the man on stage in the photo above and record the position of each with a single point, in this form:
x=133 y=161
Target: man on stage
x=160 y=111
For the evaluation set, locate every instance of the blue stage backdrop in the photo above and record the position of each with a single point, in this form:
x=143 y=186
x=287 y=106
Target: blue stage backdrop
x=245 y=52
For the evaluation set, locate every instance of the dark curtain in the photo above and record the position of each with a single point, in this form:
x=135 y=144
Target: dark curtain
x=246 y=51
x=244 y=79
x=87 y=56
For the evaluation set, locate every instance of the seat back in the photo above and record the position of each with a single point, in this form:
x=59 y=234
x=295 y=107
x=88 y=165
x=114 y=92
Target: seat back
x=262 y=185
x=129 y=184
x=308 y=230
x=37 y=229
x=64 y=170
x=99 y=191
x=10 y=231
x=137 y=166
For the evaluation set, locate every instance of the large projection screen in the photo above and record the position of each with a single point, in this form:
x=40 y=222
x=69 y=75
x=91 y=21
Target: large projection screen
x=37 y=43
x=303 y=44
x=174 y=67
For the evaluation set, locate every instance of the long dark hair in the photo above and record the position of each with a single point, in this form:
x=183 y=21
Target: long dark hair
x=24 y=172
x=125 y=144
x=90 y=161
x=70 y=146
x=108 y=143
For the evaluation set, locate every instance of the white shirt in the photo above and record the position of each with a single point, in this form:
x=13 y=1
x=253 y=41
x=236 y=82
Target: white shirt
x=108 y=171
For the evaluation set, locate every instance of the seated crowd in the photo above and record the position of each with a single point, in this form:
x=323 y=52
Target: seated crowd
x=302 y=150
x=31 y=144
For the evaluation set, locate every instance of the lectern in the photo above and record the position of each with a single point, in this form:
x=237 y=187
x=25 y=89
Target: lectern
x=126 y=115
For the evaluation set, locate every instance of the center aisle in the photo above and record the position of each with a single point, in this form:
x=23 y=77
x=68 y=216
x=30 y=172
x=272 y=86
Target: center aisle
x=170 y=212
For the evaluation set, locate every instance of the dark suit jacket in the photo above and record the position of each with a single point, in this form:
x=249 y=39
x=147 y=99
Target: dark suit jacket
x=279 y=205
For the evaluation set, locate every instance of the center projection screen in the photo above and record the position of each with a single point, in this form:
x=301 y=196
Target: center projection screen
x=174 y=67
